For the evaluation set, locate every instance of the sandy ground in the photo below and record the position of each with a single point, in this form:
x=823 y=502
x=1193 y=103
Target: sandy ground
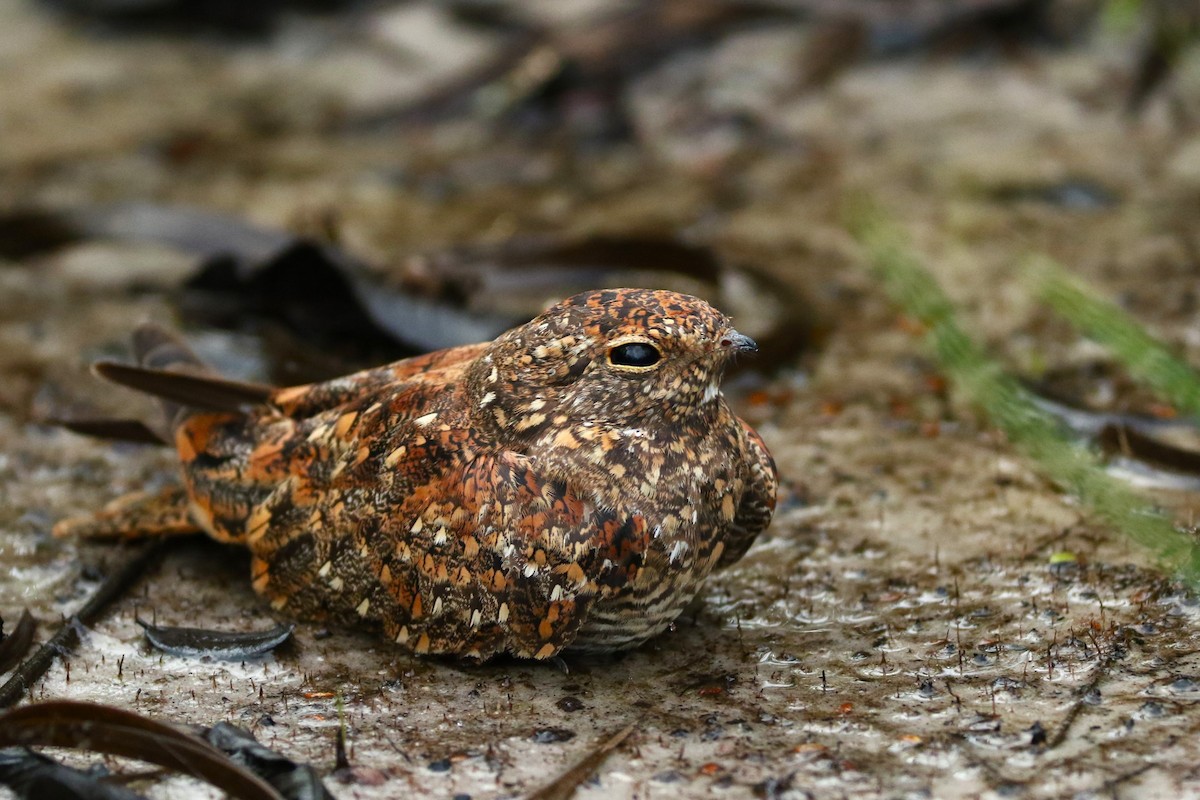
x=898 y=632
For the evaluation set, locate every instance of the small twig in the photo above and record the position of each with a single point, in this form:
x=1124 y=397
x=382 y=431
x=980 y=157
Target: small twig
x=66 y=637
x=1111 y=784
x=1064 y=727
x=950 y=690
x=1102 y=673
x=564 y=785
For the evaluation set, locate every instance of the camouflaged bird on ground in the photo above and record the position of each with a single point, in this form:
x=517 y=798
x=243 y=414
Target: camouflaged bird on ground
x=568 y=485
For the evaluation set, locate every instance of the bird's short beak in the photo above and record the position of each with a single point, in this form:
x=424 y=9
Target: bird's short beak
x=735 y=342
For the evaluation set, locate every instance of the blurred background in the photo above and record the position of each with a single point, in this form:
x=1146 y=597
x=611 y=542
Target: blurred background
x=340 y=182
x=309 y=187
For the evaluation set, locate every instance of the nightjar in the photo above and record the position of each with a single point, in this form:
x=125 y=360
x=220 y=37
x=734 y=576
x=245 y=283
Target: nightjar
x=567 y=485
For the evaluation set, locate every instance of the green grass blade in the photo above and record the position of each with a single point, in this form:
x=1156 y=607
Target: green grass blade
x=1008 y=405
x=1146 y=358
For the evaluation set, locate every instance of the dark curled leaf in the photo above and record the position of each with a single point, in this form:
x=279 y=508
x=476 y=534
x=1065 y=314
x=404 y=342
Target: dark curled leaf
x=1136 y=447
x=322 y=295
x=34 y=777
x=293 y=781
x=104 y=729
x=1082 y=421
x=14 y=646
x=308 y=288
x=303 y=297
x=1131 y=442
x=1144 y=460
x=473 y=293
x=220 y=645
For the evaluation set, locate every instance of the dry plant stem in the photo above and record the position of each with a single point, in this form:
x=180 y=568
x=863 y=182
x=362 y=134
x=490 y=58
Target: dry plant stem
x=1146 y=358
x=564 y=785
x=1008 y=405
x=67 y=636
x=1103 y=670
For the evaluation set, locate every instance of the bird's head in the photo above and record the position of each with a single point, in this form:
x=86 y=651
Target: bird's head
x=613 y=357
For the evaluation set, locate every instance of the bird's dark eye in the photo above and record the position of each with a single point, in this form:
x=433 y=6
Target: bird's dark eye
x=634 y=354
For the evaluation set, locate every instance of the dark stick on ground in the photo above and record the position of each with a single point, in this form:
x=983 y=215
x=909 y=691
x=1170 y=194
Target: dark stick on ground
x=564 y=785
x=1102 y=674
x=66 y=637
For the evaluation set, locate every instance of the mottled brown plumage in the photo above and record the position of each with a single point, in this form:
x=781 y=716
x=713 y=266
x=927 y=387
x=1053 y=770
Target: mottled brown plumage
x=568 y=485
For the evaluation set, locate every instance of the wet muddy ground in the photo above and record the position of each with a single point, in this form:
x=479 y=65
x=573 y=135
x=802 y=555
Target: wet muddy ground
x=900 y=631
